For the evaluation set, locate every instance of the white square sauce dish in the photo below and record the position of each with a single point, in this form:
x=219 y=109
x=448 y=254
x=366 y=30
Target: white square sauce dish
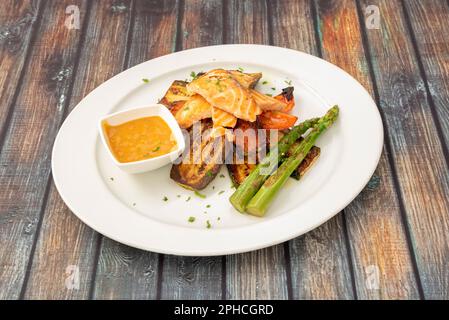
x=142 y=139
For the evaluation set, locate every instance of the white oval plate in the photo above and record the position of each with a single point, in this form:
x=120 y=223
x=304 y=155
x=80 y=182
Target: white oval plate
x=130 y=208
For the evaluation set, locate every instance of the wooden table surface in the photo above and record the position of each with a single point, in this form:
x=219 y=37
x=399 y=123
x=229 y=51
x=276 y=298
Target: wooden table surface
x=391 y=242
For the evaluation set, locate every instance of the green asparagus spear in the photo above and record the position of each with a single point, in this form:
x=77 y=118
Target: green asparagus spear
x=259 y=203
x=252 y=183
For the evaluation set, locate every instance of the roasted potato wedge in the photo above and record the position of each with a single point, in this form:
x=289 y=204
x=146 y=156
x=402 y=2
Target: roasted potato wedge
x=247 y=80
x=177 y=92
x=201 y=163
x=239 y=172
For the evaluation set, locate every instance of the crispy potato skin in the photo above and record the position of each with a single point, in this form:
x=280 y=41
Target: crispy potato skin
x=196 y=176
x=239 y=172
x=176 y=92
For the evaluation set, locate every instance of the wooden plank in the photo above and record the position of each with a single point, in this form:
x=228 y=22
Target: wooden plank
x=195 y=277
x=246 y=22
x=319 y=262
x=66 y=247
x=429 y=23
x=64 y=257
x=413 y=138
x=124 y=272
x=17 y=20
x=260 y=274
x=25 y=155
x=380 y=252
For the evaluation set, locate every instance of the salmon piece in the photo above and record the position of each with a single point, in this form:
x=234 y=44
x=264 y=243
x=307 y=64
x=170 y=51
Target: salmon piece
x=222 y=120
x=185 y=107
x=193 y=110
x=188 y=108
x=265 y=102
x=223 y=91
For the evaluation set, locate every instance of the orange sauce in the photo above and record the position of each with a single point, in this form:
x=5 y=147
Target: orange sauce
x=140 y=139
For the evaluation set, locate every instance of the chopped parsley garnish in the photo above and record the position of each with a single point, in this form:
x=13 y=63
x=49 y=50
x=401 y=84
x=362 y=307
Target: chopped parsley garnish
x=179 y=196
x=156 y=149
x=188 y=199
x=165 y=198
x=208 y=206
x=193 y=75
x=240 y=69
x=289 y=82
x=191 y=219
x=200 y=194
x=208 y=225
x=134 y=204
x=218 y=218
x=209 y=173
x=273 y=88
x=268 y=94
x=221 y=192
x=222 y=175
x=146 y=80
x=264 y=82
x=112 y=179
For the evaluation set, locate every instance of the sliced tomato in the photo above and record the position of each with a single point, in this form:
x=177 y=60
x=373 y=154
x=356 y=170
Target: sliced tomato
x=287 y=97
x=276 y=120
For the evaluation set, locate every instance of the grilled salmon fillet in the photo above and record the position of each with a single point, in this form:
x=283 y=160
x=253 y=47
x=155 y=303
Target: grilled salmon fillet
x=222 y=120
x=188 y=108
x=223 y=91
x=193 y=110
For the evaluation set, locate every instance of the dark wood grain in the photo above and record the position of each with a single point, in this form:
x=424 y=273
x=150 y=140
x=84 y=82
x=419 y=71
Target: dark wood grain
x=25 y=154
x=191 y=278
x=429 y=24
x=187 y=277
x=382 y=262
x=64 y=240
x=124 y=272
x=16 y=29
x=416 y=150
x=246 y=22
x=260 y=274
x=319 y=261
